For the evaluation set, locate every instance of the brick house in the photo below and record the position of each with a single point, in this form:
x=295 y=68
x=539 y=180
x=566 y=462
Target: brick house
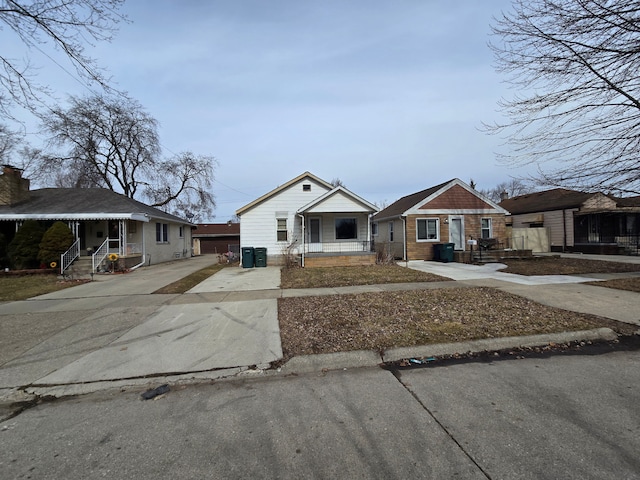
x=451 y=212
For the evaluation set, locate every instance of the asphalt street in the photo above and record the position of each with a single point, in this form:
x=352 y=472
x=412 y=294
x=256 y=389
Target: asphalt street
x=569 y=417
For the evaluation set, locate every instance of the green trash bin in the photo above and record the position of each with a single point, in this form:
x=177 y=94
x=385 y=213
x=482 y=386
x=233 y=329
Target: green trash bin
x=248 y=254
x=437 y=251
x=261 y=256
x=446 y=252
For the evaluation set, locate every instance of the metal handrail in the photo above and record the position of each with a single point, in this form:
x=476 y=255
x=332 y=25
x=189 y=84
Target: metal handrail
x=101 y=253
x=68 y=257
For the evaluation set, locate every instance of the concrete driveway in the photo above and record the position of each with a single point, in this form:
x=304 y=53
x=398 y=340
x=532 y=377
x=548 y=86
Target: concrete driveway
x=114 y=329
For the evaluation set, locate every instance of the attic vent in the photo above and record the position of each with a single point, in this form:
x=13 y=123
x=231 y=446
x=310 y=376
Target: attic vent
x=306 y=187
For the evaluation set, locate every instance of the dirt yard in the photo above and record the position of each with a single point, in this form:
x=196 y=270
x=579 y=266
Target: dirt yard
x=378 y=321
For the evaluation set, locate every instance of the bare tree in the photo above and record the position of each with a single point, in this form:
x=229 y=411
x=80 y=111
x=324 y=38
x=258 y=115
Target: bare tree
x=68 y=26
x=511 y=188
x=336 y=182
x=9 y=139
x=113 y=143
x=110 y=142
x=181 y=185
x=574 y=65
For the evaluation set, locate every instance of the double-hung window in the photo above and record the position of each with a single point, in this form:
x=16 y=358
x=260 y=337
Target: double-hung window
x=162 y=232
x=281 y=229
x=486 y=228
x=428 y=229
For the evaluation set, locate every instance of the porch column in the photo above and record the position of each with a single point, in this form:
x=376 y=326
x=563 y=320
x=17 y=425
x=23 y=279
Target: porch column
x=75 y=229
x=122 y=237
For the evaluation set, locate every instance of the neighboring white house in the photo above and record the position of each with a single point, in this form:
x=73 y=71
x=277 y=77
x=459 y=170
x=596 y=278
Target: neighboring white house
x=308 y=217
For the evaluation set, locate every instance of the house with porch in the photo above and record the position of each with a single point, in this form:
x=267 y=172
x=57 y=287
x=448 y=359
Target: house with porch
x=451 y=212
x=579 y=221
x=311 y=220
x=102 y=221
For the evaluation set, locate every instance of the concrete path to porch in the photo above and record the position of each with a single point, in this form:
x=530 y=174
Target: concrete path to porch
x=113 y=329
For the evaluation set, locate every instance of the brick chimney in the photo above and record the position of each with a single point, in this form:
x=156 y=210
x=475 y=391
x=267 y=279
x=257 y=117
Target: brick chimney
x=504 y=195
x=13 y=188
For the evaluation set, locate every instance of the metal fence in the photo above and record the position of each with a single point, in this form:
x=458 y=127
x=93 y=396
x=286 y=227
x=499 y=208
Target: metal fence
x=339 y=247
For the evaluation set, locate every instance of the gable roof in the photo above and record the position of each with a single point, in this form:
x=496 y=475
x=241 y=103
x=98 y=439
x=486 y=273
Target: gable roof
x=426 y=200
x=82 y=204
x=273 y=192
x=400 y=206
x=555 y=199
x=337 y=190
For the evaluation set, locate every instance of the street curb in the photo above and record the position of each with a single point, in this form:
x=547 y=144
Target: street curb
x=370 y=358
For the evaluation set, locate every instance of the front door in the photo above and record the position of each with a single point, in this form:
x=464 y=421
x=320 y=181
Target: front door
x=456 y=234
x=315 y=234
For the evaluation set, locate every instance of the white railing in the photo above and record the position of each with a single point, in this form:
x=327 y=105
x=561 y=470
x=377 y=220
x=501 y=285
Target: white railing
x=99 y=255
x=67 y=258
x=338 y=247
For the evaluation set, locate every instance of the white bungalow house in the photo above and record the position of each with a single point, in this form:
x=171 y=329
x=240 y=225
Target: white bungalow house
x=102 y=221
x=307 y=217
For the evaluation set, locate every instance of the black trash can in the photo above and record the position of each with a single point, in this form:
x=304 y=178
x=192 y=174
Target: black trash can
x=248 y=254
x=261 y=256
x=446 y=252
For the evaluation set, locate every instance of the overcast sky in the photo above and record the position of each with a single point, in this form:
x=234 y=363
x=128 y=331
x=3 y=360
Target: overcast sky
x=387 y=96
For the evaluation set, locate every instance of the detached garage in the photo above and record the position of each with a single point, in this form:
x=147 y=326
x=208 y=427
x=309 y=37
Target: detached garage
x=216 y=238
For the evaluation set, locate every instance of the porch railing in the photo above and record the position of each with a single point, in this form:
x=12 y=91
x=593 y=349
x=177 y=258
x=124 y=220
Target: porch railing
x=354 y=246
x=630 y=244
x=99 y=255
x=67 y=258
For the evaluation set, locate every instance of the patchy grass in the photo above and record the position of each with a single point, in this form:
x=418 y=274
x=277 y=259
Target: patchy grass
x=631 y=284
x=354 y=275
x=379 y=321
x=14 y=287
x=565 y=266
x=190 y=281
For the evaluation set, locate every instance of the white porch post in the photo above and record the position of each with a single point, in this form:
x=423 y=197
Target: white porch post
x=122 y=237
x=303 y=235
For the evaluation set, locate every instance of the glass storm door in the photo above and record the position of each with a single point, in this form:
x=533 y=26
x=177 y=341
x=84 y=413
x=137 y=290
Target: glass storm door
x=456 y=235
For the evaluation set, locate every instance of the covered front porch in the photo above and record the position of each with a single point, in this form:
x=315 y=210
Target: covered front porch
x=336 y=239
x=98 y=239
x=607 y=232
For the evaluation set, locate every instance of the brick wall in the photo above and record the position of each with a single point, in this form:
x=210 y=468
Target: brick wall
x=13 y=188
x=472 y=227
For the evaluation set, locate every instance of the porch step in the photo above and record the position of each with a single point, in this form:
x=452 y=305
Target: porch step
x=81 y=266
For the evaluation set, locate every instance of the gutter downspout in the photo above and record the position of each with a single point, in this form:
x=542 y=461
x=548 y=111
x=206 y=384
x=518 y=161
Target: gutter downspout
x=144 y=250
x=564 y=230
x=302 y=223
x=404 y=239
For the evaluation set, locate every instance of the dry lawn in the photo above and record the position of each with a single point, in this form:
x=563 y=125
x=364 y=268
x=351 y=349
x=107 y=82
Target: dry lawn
x=631 y=284
x=14 y=287
x=349 y=276
x=566 y=266
x=379 y=321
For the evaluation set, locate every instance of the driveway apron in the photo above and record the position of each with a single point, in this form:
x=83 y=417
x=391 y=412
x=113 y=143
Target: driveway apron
x=168 y=339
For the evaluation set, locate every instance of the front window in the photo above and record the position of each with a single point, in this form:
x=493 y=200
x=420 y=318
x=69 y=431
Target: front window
x=374 y=228
x=486 y=228
x=281 y=229
x=391 y=231
x=162 y=232
x=181 y=232
x=346 y=229
x=428 y=229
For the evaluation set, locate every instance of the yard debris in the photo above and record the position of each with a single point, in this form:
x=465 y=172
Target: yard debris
x=155 y=392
